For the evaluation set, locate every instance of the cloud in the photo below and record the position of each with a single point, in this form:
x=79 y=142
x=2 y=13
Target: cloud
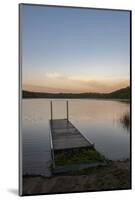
x=99 y=84
x=54 y=75
x=58 y=82
x=79 y=78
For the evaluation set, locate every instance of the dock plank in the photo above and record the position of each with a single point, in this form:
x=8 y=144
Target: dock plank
x=66 y=136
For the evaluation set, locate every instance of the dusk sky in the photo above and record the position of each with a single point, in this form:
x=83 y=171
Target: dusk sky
x=74 y=50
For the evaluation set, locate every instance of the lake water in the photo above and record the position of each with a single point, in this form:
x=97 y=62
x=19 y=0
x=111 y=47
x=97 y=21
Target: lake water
x=98 y=120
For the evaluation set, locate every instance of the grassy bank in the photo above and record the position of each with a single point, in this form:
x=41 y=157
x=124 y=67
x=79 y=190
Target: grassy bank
x=76 y=156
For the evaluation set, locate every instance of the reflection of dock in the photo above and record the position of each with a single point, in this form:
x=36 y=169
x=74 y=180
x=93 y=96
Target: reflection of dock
x=65 y=136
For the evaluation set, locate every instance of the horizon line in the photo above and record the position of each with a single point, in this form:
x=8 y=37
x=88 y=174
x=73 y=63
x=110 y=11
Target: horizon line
x=74 y=92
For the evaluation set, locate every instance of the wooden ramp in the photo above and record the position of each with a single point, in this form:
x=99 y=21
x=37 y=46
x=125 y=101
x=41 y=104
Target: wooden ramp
x=66 y=136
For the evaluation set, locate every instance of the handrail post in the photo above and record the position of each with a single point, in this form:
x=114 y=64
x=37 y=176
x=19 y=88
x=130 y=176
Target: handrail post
x=51 y=109
x=67 y=111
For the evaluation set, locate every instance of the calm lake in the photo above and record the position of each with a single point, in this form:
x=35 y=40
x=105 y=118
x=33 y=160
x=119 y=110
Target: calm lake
x=99 y=120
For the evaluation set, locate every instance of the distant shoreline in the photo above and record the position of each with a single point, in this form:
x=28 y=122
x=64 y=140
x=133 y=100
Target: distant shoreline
x=122 y=94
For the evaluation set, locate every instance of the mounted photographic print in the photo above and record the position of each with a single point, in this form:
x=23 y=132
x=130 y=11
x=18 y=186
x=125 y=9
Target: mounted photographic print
x=75 y=99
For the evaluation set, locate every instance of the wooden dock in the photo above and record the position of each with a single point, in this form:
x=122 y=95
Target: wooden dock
x=64 y=136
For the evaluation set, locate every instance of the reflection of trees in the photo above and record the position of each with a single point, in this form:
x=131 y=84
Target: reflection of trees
x=125 y=120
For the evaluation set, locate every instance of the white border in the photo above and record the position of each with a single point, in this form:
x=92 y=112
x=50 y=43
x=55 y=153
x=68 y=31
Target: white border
x=9 y=97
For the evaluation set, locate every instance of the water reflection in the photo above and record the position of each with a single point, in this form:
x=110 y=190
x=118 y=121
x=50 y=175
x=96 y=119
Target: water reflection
x=101 y=121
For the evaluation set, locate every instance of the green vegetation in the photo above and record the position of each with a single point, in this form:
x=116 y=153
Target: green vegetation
x=123 y=93
x=76 y=156
x=125 y=120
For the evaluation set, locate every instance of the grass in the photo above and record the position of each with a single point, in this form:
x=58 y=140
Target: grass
x=125 y=120
x=77 y=156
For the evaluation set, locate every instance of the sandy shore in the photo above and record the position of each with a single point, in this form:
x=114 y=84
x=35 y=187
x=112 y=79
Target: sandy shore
x=116 y=175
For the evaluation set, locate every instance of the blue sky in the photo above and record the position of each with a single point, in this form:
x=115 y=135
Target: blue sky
x=74 y=50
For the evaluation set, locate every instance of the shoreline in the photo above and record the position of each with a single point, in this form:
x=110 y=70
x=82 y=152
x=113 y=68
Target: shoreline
x=116 y=175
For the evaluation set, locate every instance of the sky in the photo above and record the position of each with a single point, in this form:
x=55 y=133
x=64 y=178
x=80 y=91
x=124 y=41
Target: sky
x=74 y=50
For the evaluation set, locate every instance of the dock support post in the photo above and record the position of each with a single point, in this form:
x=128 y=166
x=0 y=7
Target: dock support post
x=51 y=110
x=67 y=111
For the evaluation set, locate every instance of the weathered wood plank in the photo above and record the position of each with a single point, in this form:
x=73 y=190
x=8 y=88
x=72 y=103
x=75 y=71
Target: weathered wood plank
x=66 y=136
